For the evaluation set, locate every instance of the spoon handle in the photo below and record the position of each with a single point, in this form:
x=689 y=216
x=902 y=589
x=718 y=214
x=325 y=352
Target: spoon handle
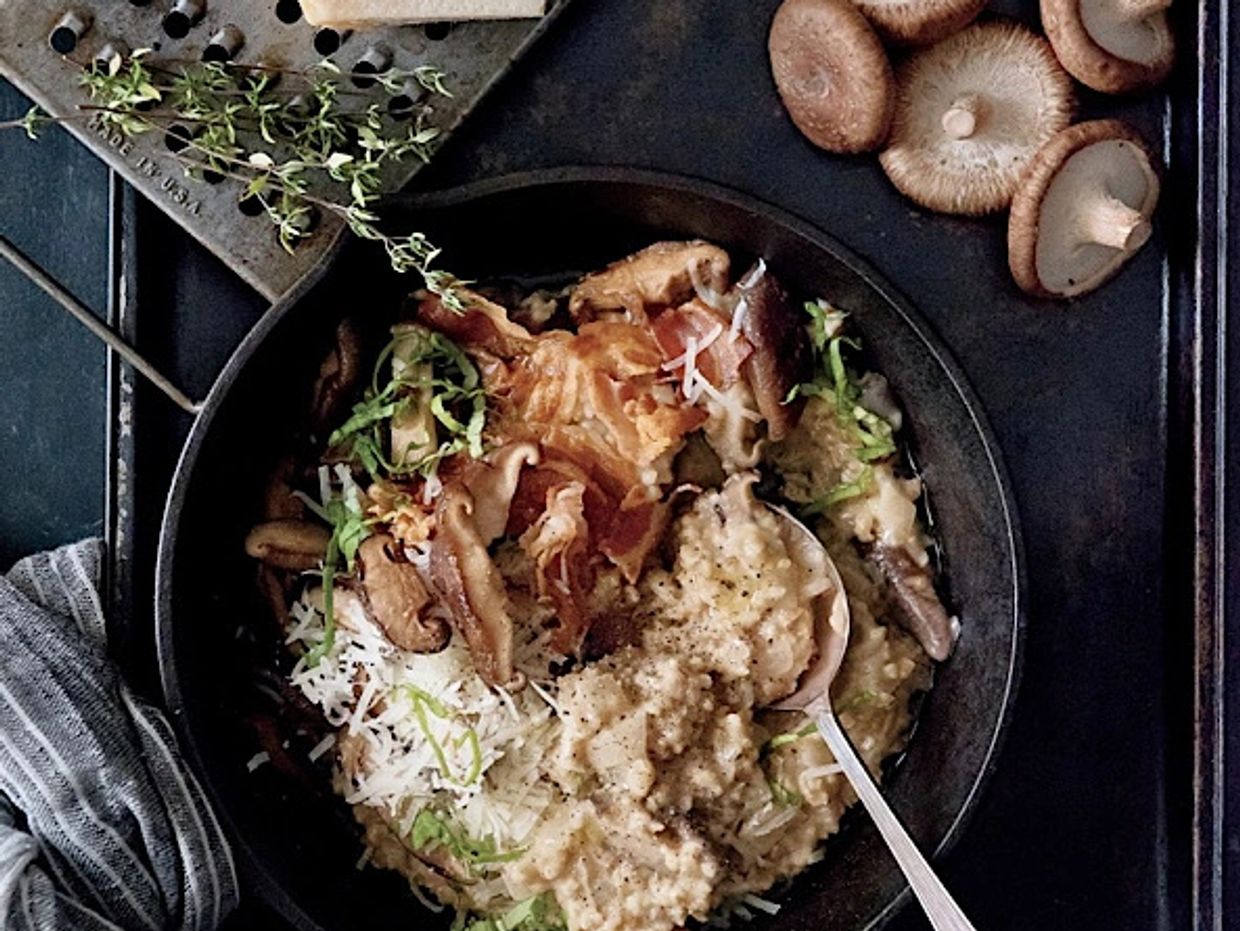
x=940 y=907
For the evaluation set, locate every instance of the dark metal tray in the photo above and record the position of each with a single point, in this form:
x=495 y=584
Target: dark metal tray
x=1107 y=808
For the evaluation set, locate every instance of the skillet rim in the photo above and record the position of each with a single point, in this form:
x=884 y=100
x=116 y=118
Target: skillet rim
x=252 y=865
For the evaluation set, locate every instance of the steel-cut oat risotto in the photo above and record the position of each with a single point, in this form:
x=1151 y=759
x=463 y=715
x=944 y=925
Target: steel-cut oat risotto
x=532 y=590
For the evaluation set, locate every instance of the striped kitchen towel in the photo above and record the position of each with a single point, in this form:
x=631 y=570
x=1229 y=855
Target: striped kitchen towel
x=101 y=823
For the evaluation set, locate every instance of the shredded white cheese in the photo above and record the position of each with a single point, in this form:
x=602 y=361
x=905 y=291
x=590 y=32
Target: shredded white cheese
x=738 y=319
x=755 y=275
x=761 y=904
x=690 y=365
x=433 y=486
x=727 y=400
x=321 y=747
x=429 y=727
x=257 y=760
x=821 y=772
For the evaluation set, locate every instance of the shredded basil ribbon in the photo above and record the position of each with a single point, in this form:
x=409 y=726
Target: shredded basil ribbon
x=422 y=702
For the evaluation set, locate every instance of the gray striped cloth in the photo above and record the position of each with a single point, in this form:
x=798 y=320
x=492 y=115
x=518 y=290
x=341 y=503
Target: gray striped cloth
x=102 y=826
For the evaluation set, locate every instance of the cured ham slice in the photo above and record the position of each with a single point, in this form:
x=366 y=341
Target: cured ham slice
x=696 y=329
x=559 y=544
x=483 y=325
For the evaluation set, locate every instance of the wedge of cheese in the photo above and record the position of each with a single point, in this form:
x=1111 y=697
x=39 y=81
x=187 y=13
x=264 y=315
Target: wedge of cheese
x=360 y=14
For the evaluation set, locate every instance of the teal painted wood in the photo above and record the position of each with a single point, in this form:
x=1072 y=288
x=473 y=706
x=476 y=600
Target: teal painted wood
x=54 y=207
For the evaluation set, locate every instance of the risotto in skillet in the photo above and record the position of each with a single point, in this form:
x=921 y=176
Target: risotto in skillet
x=528 y=583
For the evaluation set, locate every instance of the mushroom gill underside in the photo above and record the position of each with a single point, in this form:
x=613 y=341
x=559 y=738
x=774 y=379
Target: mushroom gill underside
x=1094 y=215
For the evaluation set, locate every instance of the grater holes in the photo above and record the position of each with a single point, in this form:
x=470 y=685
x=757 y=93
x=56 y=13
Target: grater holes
x=404 y=105
x=250 y=205
x=288 y=11
x=437 y=32
x=182 y=17
x=400 y=107
x=176 y=25
x=376 y=59
x=327 y=41
x=65 y=34
x=363 y=73
x=110 y=50
x=176 y=138
x=63 y=40
x=224 y=45
x=308 y=222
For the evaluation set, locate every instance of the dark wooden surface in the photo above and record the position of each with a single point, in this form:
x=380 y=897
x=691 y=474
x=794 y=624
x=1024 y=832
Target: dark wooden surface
x=54 y=207
x=1085 y=825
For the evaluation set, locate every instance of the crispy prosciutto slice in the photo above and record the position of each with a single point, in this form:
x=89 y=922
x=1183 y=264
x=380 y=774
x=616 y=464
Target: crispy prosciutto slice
x=603 y=384
x=629 y=535
x=559 y=544
x=700 y=330
x=606 y=421
x=625 y=532
x=482 y=326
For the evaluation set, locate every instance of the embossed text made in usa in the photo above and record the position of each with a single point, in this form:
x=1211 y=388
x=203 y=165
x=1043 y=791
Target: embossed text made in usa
x=145 y=165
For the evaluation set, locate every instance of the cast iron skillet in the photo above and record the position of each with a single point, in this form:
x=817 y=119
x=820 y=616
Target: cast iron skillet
x=294 y=841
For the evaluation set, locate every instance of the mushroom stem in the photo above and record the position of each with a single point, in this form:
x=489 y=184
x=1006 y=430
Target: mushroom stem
x=961 y=119
x=1132 y=10
x=1108 y=221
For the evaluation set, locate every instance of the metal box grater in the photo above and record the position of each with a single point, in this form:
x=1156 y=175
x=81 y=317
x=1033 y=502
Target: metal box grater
x=44 y=43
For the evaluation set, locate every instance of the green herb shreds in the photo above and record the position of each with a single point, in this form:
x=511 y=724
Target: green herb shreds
x=432 y=406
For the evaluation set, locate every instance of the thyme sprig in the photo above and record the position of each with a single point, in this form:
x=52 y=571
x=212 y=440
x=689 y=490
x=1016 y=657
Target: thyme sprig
x=286 y=134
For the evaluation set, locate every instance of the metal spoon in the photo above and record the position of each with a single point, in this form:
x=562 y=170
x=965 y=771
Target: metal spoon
x=813 y=697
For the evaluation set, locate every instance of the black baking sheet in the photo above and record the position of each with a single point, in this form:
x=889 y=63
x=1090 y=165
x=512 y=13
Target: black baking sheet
x=1104 y=409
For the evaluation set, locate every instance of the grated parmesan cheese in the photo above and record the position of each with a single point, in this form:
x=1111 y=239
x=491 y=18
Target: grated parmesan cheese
x=761 y=904
x=430 y=728
x=321 y=747
x=821 y=772
x=729 y=401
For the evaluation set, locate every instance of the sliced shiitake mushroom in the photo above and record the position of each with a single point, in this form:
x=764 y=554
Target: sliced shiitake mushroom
x=395 y=598
x=1112 y=46
x=338 y=376
x=482 y=325
x=1082 y=210
x=412 y=433
x=832 y=73
x=919 y=22
x=275 y=588
x=971 y=113
x=782 y=357
x=279 y=502
x=471 y=587
x=288 y=544
x=921 y=611
x=665 y=274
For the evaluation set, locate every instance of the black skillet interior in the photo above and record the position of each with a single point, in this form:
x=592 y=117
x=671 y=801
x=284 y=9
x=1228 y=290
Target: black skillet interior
x=296 y=843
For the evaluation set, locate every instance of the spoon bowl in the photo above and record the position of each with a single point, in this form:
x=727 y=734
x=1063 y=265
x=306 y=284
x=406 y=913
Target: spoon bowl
x=832 y=619
x=813 y=696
